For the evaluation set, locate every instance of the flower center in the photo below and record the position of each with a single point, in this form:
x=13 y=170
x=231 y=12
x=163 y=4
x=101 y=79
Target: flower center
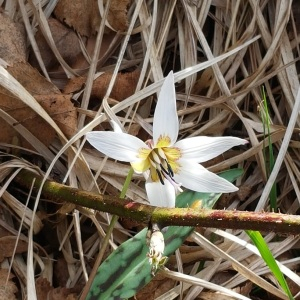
x=163 y=164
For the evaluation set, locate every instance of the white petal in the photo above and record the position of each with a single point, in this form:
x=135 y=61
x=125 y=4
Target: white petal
x=116 y=127
x=161 y=195
x=203 y=148
x=196 y=178
x=165 y=120
x=120 y=146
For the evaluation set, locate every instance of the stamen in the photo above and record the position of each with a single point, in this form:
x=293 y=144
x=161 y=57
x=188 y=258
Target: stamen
x=153 y=163
x=160 y=177
x=161 y=153
x=170 y=169
x=164 y=170
x=155 y=157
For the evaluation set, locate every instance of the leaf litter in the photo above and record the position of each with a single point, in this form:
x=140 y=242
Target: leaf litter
x=221 y=100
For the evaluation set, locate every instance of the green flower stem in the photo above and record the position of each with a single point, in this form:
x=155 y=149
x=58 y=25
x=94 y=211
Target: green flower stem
x=105 y=242
x=142 y=213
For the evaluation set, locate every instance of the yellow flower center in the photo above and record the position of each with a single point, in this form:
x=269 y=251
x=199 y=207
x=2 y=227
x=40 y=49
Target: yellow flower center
x=161 y=160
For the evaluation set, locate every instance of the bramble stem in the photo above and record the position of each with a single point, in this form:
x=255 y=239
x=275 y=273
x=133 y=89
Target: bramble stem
x=261 y=221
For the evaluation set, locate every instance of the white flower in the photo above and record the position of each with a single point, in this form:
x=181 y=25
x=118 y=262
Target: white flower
x=168 y=164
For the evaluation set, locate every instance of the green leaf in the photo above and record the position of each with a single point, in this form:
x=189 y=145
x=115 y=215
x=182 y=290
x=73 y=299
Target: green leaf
x=267 y=256
x=127 y=269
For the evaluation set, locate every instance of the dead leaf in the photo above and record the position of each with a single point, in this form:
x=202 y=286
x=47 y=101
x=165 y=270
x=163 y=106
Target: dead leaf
x=85 y=18
x=155 y=288
x=13 y=40
x=81 y=62
x=58 y=106
x=13 y=51
x=117 y=16
x=65 y=40
x=7 y=245
x=9 y=289
x=124 y=86
x=67 y=43
x=61 y=274
x=244 y=192
x=32 y=80
x=45 y=291
x=62 y=111
x=42 y=288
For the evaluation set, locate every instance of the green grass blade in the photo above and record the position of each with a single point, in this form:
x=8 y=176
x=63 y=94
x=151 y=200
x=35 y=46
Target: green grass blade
x=267 y=256
x=269 y=161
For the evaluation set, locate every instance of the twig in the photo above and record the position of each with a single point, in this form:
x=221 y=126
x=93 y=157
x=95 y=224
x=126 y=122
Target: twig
x=262 y=221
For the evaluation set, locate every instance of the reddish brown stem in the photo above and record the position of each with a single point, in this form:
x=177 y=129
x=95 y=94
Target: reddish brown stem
x=262 y=221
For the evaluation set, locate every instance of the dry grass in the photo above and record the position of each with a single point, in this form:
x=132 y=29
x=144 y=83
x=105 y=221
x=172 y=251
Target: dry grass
x=213 y=99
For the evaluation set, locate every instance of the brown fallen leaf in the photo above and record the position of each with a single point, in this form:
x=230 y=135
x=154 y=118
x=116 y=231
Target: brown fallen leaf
x=67 y=43
x=45 y=291
x=7 y=245
x=61 y=275
x=13 y=40
x=124 y=86
x=107 y=40
x=85 y=18
x=155 y=288
x=9 y=289
x=47 y=94
x=62 y=111
x=60 y=271
x=244 y=192
x=58 y=106
x=117 y=17
x=65 y=40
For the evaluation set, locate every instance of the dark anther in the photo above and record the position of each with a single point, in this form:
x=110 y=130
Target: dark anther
x=160 y=177
x=170 y=169
x=164 y=170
